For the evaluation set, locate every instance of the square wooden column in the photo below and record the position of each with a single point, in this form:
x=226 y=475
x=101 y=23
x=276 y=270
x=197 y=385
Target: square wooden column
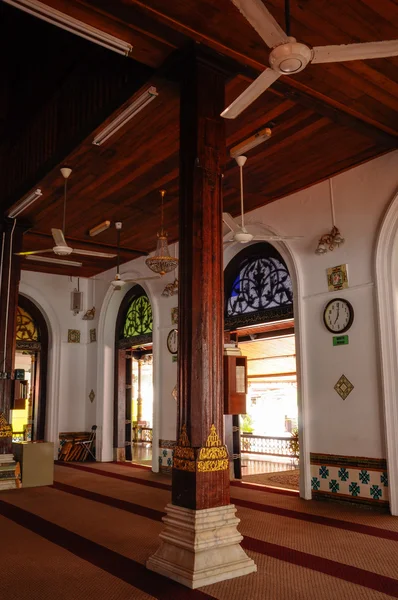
x=200 y=543
x=200 y=467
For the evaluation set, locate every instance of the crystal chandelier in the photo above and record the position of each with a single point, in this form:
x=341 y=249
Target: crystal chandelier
x=332 y=240
x=161 y=262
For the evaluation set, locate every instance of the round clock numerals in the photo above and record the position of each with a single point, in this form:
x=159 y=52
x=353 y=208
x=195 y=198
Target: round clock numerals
x=338 y=315
x=172 y=341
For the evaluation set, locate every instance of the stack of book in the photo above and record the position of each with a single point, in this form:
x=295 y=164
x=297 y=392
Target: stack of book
x=10 y=473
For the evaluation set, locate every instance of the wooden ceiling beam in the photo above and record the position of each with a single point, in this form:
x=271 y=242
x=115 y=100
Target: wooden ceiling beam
x=244 y=59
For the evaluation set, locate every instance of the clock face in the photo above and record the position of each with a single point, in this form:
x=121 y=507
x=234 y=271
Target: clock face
x=338 y=315
x=172 y=341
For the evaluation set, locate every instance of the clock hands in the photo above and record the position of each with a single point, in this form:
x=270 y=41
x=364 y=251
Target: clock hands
x=338 y=313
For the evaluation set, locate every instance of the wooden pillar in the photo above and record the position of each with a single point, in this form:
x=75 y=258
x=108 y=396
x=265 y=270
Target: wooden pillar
x=10 y=272
x=200 y=543
x=200 y=468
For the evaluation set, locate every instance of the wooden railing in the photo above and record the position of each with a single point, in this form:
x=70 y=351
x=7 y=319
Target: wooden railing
x=142 y=434
x=262 y=444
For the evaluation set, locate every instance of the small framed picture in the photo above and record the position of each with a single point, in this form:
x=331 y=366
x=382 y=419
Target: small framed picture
x=337 y=278
x=174 y=315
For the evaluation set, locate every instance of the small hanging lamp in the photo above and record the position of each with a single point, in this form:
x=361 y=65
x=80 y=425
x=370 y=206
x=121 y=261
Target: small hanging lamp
x=162 y=262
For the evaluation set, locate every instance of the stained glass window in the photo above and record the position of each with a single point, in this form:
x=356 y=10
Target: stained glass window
x=258 y=286
x=26 y=329
x=139 y=319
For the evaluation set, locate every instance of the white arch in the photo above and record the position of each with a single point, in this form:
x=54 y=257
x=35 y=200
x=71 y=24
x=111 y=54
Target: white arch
x=54 y=356
x=106 y=370
x=296 y=276
x=386 y=277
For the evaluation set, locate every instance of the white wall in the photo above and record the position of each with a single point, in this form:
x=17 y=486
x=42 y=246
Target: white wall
x=76 y=370
x=350 y=427
x=361 y=195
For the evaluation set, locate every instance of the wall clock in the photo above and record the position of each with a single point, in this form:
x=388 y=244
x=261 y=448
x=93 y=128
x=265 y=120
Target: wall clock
x=172 y=341
x=338 y=315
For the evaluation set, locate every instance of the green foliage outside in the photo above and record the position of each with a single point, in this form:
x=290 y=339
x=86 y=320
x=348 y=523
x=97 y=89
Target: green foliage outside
x=294 y=443
x=246 y=424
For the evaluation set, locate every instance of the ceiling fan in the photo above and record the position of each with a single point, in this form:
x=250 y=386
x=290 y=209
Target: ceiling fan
x=240 y=233
x=119 y=281
x=61 y=247
x=288 y=56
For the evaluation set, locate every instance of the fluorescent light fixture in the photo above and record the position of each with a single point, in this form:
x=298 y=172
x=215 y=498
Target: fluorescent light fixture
x=127 y=114
x=56 y=261
x=60 y=19
x=23 y=204
x=253 y=141
x=99 y=228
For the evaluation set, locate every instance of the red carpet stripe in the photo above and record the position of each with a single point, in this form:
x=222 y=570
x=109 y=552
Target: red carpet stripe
x=367 y=579
x=356 y=575
x=120 y=566
x=132 y=464
x=275 y=510
x=137 y=509
x=154 y=484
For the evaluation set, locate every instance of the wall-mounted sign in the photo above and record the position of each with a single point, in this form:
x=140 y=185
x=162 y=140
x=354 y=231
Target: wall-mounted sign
x=337 y=278
x=340 y=340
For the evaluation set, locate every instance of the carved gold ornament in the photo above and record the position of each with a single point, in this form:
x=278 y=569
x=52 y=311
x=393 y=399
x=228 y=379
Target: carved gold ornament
x=184 y=455
x=183 y=439
x=209 y=466
x=211 y=457
x=213 y=439
x=5 y=428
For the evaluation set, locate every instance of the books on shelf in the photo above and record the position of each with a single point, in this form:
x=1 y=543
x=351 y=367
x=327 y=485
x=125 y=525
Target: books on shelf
x=6 y=459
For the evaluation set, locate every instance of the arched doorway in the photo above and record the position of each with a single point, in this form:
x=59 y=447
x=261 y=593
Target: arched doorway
x=31 y=359
x=133 y=414
x=259 y=316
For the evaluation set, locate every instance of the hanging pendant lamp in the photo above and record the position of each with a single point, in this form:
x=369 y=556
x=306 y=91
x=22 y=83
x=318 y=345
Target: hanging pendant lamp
x=162 y=262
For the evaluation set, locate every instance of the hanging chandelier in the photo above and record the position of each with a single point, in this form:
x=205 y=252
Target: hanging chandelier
x=162 y=262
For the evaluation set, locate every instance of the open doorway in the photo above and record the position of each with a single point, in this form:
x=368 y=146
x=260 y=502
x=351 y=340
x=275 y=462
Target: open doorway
x=259 y=317
x=269 y=430
x=28 y=413
x=133 y=414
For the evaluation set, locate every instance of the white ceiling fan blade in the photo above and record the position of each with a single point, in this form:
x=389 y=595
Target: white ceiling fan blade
x=140 y=279
x=93 y=253
x=255 y=89
x=31 y=252
x=58 y=236
x=276 y=238
x=364 y=51
x=230 y=222
x=262 y=21
x=56 y=261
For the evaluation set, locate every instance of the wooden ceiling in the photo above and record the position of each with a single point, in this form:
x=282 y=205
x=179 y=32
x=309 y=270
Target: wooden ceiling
x=326 y=119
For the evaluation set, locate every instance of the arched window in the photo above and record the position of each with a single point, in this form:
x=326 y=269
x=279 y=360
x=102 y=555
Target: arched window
x=27 y=332
x=139 y=318
x=258 y=288
x=136 y=320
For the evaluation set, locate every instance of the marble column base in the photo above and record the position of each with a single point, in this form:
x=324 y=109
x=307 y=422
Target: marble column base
x=200 y=547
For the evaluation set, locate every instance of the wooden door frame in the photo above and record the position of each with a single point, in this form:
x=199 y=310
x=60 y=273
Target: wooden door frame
x=41 y=399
